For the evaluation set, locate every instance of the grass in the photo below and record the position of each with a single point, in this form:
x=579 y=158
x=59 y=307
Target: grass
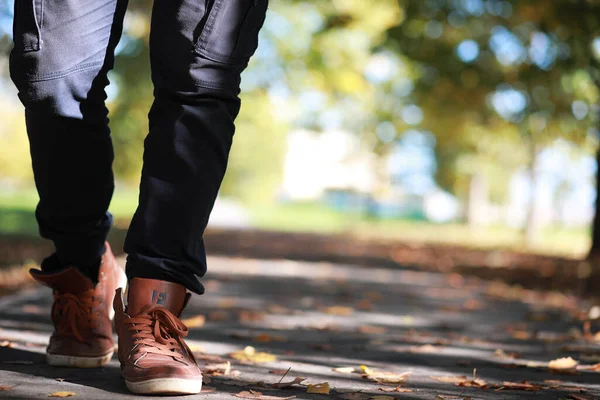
x=17 y=217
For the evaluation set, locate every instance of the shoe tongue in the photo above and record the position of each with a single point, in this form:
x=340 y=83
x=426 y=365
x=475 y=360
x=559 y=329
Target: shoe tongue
x=68 y=280
x=146 y=293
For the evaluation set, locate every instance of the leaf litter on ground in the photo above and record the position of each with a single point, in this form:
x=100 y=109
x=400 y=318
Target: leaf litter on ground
x=250 y=355
x=384 y=376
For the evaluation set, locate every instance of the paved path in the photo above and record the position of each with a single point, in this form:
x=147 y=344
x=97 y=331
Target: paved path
x=317 y=317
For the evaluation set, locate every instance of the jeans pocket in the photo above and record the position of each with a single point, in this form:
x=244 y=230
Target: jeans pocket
x=230 y=34
x=26 y=25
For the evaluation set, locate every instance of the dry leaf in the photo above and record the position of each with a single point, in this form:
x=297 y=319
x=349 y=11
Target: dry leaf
x=4 y=388
x=371 y=330
x=251 y=316
x=279 y=371
x=562 y=363
x=519 y=386
x=383 y=376
x=217 y=369
x=319 y=388
x=426 y=348
x=194 y=322
x=266 y=338
x=339 y=310
x=502 y=354
x=249 y=354
x=284 y=385
x=344 y=370
x=381 y=397
x=258 y=395
x=62 y=394
x=365 y=305
x=594 y=367
x=397 y=389
x=580 y=397
x=6 y=343
x=462 y=381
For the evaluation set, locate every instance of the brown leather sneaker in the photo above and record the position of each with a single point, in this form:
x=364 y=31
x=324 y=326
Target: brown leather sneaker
x=81 y=314
x=154 y=358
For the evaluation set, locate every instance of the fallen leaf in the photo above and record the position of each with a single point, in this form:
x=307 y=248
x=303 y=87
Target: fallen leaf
x=279 y=371
x=249 y=354
x=344 y=370
x=398 y=389
x=4 y=388
x=194 y=322
x=6 y=343
x=284 y=385
x=371 y=330
x=339 y=310
x=462 y=381
x=580 y=397
x=62 y=394
x=31 y=309
x=266 y=338
x=562 y=363
x=250 y=316
x=594 y=367
x=383 y=376
x=60 y=379
x=217 y=369
x=502 y=354
x=426 y=348
x=365 y=305
x=381 y=397
x=258 y=395
x=526 y=386
x=319 y=388
x=218 y=316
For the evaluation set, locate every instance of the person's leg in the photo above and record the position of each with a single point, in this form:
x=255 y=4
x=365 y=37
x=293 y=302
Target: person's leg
x=63 y=51
x=198 y=50
x=197 y=55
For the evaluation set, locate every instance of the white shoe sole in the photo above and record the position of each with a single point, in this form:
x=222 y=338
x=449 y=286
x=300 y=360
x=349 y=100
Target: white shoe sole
x=166 y=386
x=58 y=360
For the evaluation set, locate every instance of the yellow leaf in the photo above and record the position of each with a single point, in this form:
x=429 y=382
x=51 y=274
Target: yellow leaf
x=344 y=370
x=61 y=394
x=249 y=354
x=195 y=322
x=319 y=388
x=383 y=376
x=339 y=310
x=563 y=363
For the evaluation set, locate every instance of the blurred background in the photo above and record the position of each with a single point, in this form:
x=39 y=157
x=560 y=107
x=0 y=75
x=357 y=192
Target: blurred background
x=468 y=122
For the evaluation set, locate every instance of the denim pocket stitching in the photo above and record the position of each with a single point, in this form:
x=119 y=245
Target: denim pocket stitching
x=61 y=74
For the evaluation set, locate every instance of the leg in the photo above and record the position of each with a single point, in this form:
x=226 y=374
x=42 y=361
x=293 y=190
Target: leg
x=63 y=51
x=197 y=55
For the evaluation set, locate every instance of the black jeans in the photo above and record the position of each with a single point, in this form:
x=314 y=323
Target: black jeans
x=62 y=52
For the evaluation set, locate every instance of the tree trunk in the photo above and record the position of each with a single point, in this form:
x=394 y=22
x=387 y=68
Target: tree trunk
x=531 y=223
x=595 y=248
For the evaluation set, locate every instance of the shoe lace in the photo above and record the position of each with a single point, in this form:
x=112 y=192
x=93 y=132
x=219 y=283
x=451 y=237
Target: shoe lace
x=75 y=314
x=158 y=331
